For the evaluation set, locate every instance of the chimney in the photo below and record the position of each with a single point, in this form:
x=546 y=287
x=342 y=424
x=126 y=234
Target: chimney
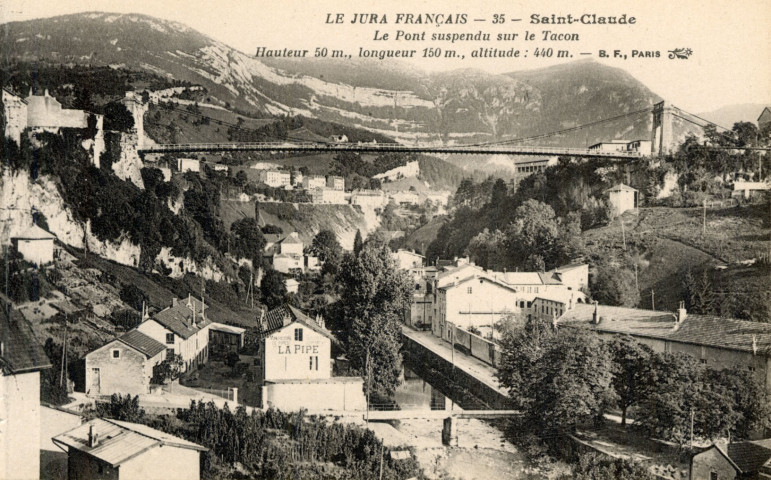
x=174 y=302
x=93 y=438
x=46 y=93
x=596 y=315
x=681 y=313
x=754 y=344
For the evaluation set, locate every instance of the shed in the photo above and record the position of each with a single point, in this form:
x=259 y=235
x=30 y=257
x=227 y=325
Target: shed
x=35 y=245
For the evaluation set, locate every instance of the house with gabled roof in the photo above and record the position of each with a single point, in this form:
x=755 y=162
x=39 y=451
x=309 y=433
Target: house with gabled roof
x=474 y=301
x=744 y=460
x=183 y=329
x=296 y=368
x=765 y=118
x=35 y=245
x=294 y=346
x=622 y=198
x=21 y=361
x=119 y=450
x=123 y=365
x=717 y=342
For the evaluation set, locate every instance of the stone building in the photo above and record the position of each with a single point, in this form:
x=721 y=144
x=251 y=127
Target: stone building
x=715 y=341
x=124 y=365
x=35 y=245
x=622 y=198
x=183 y=329
x=21 y=361
x=744 y=460
x=111 y=449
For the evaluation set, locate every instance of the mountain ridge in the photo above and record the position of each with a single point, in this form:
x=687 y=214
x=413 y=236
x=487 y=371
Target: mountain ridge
x=395 y=99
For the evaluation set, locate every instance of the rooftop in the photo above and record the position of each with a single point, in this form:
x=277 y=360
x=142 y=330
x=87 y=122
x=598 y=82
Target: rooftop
x=621 y=188
x=21 y=351
x=34 y=232
x=119 y=441
x=142 y=343
x=221 y=327
x=284 y=315
x=707 y=330
x=179 y=317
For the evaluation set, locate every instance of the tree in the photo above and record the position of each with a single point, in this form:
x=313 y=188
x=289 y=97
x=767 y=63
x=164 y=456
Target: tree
x=117 y=117
x=615 y=286
x=358 y=243
x=121 y=408
x=168 y=370
x=374 y=295
x=572 y=383
x=273 y=289
x=247 y=240
x=594 y=466
x=326 y=247
x=533 y=233
x=631 y=371
x=665 y=412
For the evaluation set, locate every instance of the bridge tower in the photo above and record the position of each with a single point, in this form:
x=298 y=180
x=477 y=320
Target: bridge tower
x=661 y=131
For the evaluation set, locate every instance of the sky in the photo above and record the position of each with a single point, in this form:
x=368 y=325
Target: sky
x=729 y=39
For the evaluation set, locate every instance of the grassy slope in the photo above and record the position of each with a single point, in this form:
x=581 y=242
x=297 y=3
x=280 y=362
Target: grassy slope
x=673 y=242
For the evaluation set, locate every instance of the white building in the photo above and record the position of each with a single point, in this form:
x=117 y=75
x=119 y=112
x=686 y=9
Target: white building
x=529 y=166
x=610 y=146
x=405 y=197
x=275 y=178
x=183 y=329
x=369 y=198
x=312 y=182
x=328 y=196
x=642 y=146
x=622 y=198
x=188 y=165
x=35 y=245
x=408 y=260
x=575 y=276
x=335 y=183
x=102 y=449
x=474 y=301
x=22 y=359
x=294 y=346
x=295 y=360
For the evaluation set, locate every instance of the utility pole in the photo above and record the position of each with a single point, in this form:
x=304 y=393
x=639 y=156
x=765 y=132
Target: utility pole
x=653 y=300
x=704 y=219
x=623 y=232
x=691 y=428
x=367 y=370
x=382 y=448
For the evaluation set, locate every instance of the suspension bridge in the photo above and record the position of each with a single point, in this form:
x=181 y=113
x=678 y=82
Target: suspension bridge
x=662 y=140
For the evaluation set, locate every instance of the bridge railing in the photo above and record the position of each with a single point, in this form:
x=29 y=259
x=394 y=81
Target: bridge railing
x=386 y=147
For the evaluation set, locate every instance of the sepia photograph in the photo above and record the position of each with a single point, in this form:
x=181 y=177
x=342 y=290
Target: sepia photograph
x=398 y=240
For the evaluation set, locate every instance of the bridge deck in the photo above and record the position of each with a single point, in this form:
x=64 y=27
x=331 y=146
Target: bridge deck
x=378 y=415
x=383 y=147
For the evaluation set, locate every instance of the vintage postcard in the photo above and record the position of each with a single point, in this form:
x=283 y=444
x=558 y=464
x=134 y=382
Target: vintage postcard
x=385 y=240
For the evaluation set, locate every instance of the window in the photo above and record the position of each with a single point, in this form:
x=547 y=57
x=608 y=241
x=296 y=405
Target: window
x=169 y=353
x=536 y=289
x=298 y=334
x=522 y=304
x=468 y=290
x=314 y=360
x=116 y=354
x=703 y=361
x=529 y=304
x=170 y=339
x=713 y=476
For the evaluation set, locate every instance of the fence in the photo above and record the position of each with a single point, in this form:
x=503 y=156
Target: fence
x=474 y=345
